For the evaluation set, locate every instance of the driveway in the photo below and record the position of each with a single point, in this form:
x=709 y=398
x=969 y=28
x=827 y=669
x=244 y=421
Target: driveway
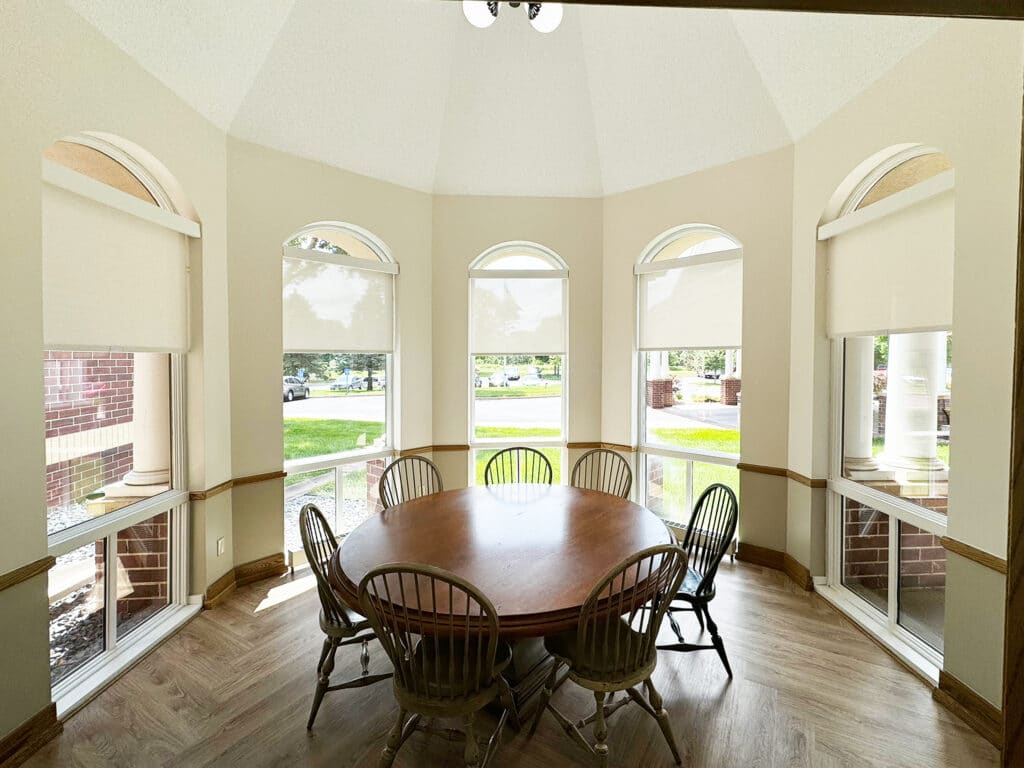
x=348 y=408
x=702 y=416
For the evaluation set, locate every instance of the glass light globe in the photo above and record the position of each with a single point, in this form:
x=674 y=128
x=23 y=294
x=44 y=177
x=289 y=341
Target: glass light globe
x=548 y=18
x=477 y=13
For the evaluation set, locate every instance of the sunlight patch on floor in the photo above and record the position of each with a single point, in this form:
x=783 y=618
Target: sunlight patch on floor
x=286 y=592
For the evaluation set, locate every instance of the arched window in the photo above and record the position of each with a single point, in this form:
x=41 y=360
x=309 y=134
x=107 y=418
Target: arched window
x=337 y=389
x=689 y=337
x=115 y=251
x=518 y=343
x=890 y=302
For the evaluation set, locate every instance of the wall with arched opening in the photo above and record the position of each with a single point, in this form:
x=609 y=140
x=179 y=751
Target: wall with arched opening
x=981 y=138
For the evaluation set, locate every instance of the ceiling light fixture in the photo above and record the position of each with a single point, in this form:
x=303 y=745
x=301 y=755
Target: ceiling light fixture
x=544 y=17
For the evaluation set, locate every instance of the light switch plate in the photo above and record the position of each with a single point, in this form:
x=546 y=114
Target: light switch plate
x=220 y=546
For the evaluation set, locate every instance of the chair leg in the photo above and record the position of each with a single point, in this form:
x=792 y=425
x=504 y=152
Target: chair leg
x=545 y=696
x=658 y=705
x=472 y=753
x=323 y=680
x=600 y=731
x=394 y=741
x=716 y=641
x=364 y=658
x=508 y=701
x=700 y=618
x=675 y=627
x=323 y=654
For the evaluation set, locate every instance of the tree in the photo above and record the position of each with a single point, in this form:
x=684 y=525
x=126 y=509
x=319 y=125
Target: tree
x=316 y=365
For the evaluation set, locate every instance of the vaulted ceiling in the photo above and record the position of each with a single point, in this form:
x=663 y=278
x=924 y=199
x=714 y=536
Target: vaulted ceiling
x=407 y=91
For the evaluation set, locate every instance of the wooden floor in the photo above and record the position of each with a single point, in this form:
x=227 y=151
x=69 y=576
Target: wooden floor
x=233 y=688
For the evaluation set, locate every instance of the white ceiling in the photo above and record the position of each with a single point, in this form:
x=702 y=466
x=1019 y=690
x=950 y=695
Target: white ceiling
x=409 y=92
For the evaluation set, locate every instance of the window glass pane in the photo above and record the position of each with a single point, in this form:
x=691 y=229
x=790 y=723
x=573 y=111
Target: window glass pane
x=666 y=488
x=554 y=456
x=360 y=498
x=302 y=489
x=76 y=609
x=334 y=403
x=517 y=396
x=896 y=405
x=692 y=400
x=922 y=593
x=705 y=474
x=866 y=553
x=143 y=571
x=108 y=432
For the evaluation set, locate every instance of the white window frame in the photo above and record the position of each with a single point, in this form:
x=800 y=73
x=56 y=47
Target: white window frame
x=913 y=651
x=559 y=271
x=119 y=654
x=647 y=265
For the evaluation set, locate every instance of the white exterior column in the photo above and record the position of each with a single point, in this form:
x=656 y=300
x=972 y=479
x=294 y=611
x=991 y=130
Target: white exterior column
x=151 y=426
x=659 y=366
x=730 y=363
x=859 y=414
x=917 y=363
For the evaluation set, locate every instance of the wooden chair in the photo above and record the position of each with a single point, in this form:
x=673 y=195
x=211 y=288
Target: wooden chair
x=709 y=533
x=340 y=625
x=614 y=647
x=441 y=634
x=409 y=478
x=518 y=465
x=603 y=470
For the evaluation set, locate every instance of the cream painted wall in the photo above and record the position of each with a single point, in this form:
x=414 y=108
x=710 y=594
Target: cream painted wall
x=270 y=196
x=59 y=74
x=463 y=228
x=934 y=96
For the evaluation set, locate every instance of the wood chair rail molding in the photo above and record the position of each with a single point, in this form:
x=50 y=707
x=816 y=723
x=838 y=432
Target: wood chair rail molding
x=209 y=493
x=762 y=469
x=18 y=745
x=973 y=709
x=979 y=556
x=26 y=572
x=968 y=9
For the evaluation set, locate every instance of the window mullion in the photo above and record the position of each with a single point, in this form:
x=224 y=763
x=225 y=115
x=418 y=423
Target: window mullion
x=894 y=572
x=110 y=591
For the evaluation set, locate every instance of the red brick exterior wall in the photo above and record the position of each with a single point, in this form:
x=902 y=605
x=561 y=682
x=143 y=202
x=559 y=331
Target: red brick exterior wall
x=142 y=552
x=659 y=393
x=85 y=391
x=374 y=471
x=730 y=391
x=866 y=551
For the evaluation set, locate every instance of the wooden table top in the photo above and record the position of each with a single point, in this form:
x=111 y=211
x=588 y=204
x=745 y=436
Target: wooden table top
x=535 y=551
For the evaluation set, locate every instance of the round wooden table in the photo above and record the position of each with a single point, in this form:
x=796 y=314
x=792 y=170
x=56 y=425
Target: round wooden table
x=536 y=551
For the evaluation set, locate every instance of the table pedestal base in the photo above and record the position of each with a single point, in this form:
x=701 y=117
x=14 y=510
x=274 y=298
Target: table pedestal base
x=526 y=673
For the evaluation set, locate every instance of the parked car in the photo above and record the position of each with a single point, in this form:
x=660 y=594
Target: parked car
x=497 y=379
x=532 y=380
x=512 y=372
x=711 y=375
x=352 y=381
x=534 y=369
x=293 y=387
x=477 y=381
x=379 y=382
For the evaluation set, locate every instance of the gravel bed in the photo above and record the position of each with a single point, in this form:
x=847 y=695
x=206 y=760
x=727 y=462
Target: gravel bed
x=76 y=631
x=64 y=516
x=353 y=512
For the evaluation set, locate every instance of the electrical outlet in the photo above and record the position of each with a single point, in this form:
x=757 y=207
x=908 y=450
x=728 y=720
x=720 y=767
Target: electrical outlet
x=220 y=546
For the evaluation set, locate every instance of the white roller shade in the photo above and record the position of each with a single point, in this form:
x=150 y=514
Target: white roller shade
x=518 y=316
x=337 y=308
x=693 y=307
x=111 y=280
x=894 y=273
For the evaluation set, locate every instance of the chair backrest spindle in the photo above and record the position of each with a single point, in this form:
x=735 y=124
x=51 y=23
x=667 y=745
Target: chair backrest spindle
x=604 y=470
x=319 y=544
x=518 y=465
x=409 y=478
x=710 y=531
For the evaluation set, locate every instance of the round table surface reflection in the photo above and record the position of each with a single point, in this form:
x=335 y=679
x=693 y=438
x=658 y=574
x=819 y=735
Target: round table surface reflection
x=535 y=551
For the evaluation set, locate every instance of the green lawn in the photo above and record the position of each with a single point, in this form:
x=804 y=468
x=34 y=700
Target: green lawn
x=941 y=450
x=718 y=440
x=512 y=433
x=554 y=455
x=318 y=437
x=551 y=390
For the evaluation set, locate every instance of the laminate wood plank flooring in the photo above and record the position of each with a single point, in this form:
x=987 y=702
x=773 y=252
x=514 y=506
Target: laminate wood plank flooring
x=233 y=688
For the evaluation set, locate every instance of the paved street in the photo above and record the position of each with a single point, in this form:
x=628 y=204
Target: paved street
x=513 y=412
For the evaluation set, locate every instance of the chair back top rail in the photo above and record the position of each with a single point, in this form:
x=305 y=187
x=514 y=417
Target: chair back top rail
x=710 y=532
x=440 y=632
x=319 y=544
x=619 y=622
x=409 y=478
x=518 y=465
x=601 y=469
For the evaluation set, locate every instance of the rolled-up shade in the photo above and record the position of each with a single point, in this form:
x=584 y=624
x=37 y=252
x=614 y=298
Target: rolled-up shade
x=337 y=308
x=699 y=306
x=517 y=316
x=111 y=280
x=894 y=273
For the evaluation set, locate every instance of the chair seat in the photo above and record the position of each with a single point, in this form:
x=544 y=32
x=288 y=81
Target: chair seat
x=598 y=663
x=334 y=628
x=691 y=582
x=438 y=660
